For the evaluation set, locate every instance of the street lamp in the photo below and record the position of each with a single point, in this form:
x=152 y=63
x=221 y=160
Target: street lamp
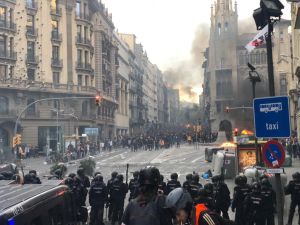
x=57 y=134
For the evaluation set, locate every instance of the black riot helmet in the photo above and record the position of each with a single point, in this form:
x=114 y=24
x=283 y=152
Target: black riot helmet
x=98 y=178
x=136 y=174
x=80 y=172
x=97 y=173
x=69 y=182
x=120 y=177
x=202 y=196
x=161 y=178
x=174 y=176
x=239 y=180
x=189 y=177
x=195 y=178
x=209 y=188
x=33 y=172
x=149 y=176
x=256 y=187
x=72 y=175
x=114 y=174
x=179 y=198
x=296 y=176
x=216 y=178
x=265 y=183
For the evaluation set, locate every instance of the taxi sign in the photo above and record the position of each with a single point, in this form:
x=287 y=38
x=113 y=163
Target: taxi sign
x=273 y=154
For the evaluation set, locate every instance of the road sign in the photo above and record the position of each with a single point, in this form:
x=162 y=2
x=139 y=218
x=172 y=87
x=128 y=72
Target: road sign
x=272 y=117
x=274 y=171
x=273 y=154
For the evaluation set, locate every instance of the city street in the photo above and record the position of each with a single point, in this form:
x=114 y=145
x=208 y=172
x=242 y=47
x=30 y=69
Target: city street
x=182 y=160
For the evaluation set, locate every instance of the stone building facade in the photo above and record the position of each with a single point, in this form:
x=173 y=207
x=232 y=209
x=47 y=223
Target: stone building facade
x=226 y=74
x=56 y=49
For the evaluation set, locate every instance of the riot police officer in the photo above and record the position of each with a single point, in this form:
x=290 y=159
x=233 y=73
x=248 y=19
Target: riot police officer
x=209 y=189
x=97 y=198
x=241 y=190
x=34 y=177
x=109 y=184
x=254 y=206
x=186 y=184
x=195 y=186
x=162 y=186
x=173 y=183
x=133 y=186
x=84 y=179
x=269 y=205
x=221 y=196
x=118 y=193
x=293 y=188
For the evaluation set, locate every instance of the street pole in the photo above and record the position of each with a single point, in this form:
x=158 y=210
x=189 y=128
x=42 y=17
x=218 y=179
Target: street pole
x=57 y=135
x=255 y=138
x=278 y=186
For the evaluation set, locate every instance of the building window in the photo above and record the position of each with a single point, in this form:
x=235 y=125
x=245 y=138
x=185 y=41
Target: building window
x=79 y=34
x=85 y=11
x=283 y=84
x=56 y=104
x=31 y=74
x=85 y=108
x=242 y=59
x=226 y=27
x=30 y=49
x=30 y=4
x=3 y=46
x=78 y=9
x=55 y=77
x=80 y=80
x=79 y=56
x=86 y=57
x=252 y=58
x=86 y=80
x=3 y=71
x=55 y=52
x=30 y=24
x=3 y=105
x=54 y=5
x=218 y=107
x=263 y=57
x=31 y=109
x=257 y=58
x=3 y=11
x=219 y=29
x=85 y=34
x=54 y=25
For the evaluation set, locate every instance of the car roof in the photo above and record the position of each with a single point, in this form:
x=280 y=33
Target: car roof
x=13 y=194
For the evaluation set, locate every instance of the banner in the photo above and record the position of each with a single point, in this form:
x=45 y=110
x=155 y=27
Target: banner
x=258 y=40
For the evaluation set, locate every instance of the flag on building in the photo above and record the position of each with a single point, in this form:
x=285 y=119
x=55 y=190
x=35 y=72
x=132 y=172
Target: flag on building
x=258 y=40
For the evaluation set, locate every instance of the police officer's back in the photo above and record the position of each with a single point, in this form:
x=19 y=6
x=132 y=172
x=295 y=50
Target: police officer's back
x=195 y=186
x=133 y=185
x=293 y=189
x=173 y=183
x=162 y=186
x=221 y=195
x=269 y=205
x=186 y=184
x=254 y=205
x=241 y=190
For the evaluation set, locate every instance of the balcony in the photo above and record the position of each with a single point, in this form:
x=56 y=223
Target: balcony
x=31 y=59
x=84 y=42
x=31 y=7
x=56 y=36
x=8 y=56
x=7 y=26
x=84 y=67
x=83 y=17
x=55 y=62
x=32 y=114
x=31 y=33
x=56 y=13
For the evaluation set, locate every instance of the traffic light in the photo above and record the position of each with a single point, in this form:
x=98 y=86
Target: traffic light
x=97 y=100
x=17 y=140
x=236 y=132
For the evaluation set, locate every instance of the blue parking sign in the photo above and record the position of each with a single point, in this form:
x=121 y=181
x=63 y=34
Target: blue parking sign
x=272 y=117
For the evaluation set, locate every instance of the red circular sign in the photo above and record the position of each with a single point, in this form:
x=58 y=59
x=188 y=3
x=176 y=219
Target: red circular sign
x=273 y=154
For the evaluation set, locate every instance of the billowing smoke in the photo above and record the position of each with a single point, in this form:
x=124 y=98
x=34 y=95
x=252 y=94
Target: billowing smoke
x=187 y=75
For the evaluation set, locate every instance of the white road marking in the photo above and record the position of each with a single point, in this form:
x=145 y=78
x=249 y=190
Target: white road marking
x=195 y=160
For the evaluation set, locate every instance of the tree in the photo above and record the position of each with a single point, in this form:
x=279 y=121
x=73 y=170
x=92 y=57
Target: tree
x=88 y=165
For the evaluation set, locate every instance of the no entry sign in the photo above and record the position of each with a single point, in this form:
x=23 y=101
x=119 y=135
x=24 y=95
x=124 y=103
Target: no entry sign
x=273 y=154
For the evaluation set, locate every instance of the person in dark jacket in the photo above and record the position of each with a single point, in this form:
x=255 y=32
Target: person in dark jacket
x=118 y=193
x=162 y=186
x=97 y=199
x=293 y=189
x=269 y=205
x=109 y=185
x=148 y=208
x=173 y=183
x=186 y=184
x=133 y=186
x=85 y=180
x=195 y=186
x=221 y=196
x=254 y=205
x=241 y=190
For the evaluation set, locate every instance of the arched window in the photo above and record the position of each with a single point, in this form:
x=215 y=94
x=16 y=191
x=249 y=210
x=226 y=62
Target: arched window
x=219 y=29
x=257 y=58
x=246 y=58
x=252 y=58
x=31 y=109
x=3 y=105
x=242 y=59
x=85 y=108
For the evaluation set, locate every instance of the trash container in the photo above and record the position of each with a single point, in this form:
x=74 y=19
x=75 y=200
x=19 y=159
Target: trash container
x=224 y=161
x=209 y=153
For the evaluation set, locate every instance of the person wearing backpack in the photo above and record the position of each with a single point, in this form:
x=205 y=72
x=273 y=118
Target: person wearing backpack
x=148 y=207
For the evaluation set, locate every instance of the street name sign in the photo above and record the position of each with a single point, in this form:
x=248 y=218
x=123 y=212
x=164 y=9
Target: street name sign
x=274 y=171
x=272 y=117
x=273 y=154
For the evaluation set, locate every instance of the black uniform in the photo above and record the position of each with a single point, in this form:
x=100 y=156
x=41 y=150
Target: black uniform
x=97 y=199
x=118 y=193
x=171 y=185
x=269 y=204
x=133 y=188
x=222 y=199
x=254 y=208
x=194 y=189
x=109 y=185
x=293 y=188
x=239 y=195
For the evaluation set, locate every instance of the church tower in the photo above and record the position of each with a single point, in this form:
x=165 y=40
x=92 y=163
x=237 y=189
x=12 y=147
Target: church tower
x=222 y=63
